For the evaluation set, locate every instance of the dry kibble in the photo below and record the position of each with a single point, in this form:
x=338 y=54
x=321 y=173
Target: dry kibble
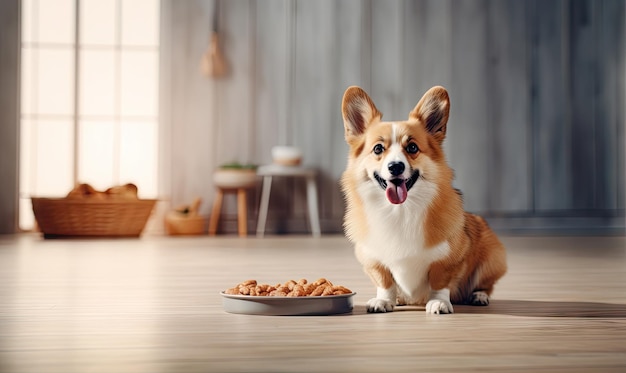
x=291 y=288
x=244 y=290
x=233 y=291
x=308 y=288
x=298 y=291
x=319 y=290
x=290 y=284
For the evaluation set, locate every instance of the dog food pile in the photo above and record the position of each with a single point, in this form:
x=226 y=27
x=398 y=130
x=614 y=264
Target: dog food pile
x=291 y=288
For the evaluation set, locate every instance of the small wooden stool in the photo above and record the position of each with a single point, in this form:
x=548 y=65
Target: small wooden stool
x=242 y=210
x=232 y=180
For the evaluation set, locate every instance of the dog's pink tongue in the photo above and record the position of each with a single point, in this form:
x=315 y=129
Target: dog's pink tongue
x=396 y=194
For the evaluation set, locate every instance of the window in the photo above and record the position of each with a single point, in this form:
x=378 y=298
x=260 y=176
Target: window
x=89 y=111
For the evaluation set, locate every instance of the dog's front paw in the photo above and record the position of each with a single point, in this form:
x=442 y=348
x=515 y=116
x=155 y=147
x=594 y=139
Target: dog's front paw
x=439 y=306
x=376 y=305
x=479 y=298
x=439 y=302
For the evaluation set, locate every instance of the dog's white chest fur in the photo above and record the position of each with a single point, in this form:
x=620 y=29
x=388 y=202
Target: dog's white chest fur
x=396 y=240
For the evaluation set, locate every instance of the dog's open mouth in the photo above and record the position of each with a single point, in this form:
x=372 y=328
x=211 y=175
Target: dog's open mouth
x=397 y=188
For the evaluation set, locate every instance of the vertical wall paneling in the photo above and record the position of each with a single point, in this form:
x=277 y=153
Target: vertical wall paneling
x=366 y=43
x=427 y=53
x=192 y=104
x=252 y=125
x=387 y=59
x=292 y=32
x=315 y=71
x=426 y=50
x=620 y=30
x=350 y=68
x=608 y=23
x=236 y=112
x=470 y=138
x=510 y=179
x=583 y=91
x=549 y=105
x=9 y=114
x=165 y=105
x=272 y=77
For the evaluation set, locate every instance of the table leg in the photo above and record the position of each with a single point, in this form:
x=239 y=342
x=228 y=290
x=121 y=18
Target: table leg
x=311 y=194
x=215 y=213
x=265 y=200
x=242 y=215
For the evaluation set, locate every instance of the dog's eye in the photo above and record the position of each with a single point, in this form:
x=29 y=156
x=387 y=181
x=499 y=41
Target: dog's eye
x=412 y=148
x=378 y=148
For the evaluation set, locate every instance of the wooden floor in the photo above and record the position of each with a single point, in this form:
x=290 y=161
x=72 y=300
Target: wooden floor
x=152 y=305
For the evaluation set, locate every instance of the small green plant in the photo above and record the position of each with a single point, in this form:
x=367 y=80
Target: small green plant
x=238 y=166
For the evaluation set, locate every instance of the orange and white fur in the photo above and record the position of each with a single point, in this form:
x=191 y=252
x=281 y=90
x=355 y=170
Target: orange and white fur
x=406 y=220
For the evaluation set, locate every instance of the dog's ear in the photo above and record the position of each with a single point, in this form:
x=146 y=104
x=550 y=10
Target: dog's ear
x=358 y=112
x=433 y=111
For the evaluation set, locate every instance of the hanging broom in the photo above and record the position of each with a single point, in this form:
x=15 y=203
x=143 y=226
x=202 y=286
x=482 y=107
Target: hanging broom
x=213 y=63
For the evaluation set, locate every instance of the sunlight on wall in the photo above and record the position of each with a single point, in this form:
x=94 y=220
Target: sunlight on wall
x=89 y=109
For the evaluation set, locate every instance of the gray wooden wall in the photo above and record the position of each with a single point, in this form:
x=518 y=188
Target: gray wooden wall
x=536 y=132
x=9 y=114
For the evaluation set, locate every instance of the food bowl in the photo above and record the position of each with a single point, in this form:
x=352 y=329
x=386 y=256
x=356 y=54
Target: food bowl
x=286 y=155
x=287 y=306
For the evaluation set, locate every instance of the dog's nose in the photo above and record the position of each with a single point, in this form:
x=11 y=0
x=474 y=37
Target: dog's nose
x=396 y=168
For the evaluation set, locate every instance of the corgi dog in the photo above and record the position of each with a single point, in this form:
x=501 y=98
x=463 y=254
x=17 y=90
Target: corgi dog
x=406 y=220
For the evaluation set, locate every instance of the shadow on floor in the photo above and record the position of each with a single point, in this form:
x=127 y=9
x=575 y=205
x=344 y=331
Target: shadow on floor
x=529 y=308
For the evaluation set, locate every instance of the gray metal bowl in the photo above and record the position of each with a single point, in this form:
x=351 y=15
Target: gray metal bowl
x=287 y=306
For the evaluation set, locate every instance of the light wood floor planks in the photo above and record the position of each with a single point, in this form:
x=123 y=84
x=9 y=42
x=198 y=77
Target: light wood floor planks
x=152 y=305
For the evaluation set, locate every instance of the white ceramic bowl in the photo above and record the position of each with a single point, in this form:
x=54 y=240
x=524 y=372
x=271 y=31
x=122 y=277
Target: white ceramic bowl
x=227 y=178
x=286 y=155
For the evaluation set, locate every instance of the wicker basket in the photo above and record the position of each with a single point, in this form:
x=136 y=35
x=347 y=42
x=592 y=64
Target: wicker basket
x=177 y=224
x=66 y=217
